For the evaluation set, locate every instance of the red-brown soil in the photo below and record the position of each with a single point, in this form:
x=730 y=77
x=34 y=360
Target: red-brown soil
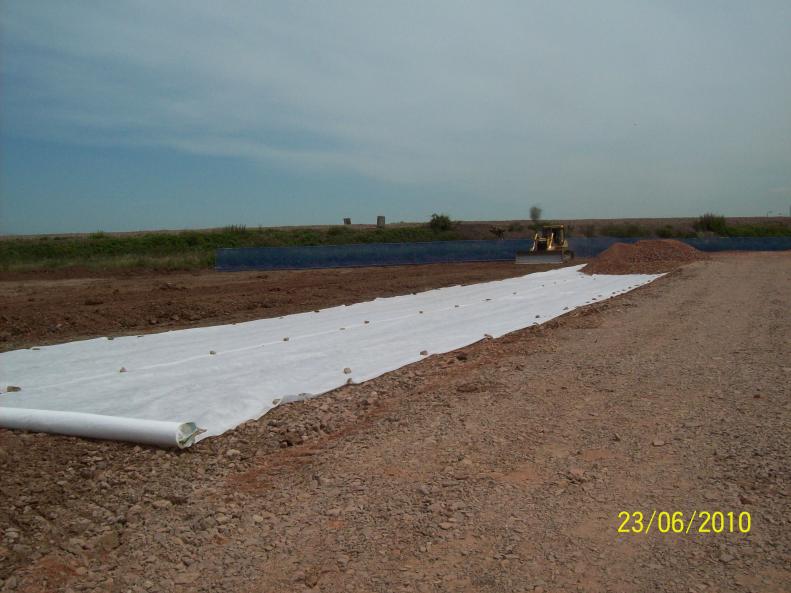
x=644 y=257
x=62 y=305
x=502 y=468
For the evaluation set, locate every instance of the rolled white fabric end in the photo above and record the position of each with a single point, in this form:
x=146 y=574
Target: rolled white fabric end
x=148 y=432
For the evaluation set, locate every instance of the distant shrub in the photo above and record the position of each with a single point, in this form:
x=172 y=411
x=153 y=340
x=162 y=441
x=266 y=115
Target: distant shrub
x=666 y=232
x=711 y=223
x=515 y=227
x=440 y=222
x=235 y=228
x=497 y=231
x=535 y=217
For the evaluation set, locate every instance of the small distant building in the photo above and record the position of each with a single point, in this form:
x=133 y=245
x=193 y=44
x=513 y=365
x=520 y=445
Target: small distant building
x=347 y=221
x=380 y=222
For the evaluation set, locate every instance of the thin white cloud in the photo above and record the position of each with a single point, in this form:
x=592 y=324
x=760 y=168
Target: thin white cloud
x=491 y=97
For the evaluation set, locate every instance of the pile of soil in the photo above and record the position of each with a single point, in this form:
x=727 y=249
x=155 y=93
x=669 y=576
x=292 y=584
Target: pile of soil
x=644 y=257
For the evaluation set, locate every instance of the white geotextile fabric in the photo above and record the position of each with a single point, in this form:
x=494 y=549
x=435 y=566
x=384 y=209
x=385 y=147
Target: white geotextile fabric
x=218 y=377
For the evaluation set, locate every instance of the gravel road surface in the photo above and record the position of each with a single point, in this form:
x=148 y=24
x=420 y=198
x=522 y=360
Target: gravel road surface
x=499 y=468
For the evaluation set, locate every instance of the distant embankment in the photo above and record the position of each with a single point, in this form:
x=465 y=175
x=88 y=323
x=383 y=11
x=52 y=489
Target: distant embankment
x=186 y=249
x=195 y=249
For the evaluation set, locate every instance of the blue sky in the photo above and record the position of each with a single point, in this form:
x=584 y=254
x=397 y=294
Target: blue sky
x=131 y=115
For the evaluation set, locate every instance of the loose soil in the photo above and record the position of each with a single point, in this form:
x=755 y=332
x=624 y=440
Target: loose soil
x=502 y=467
x=62 y=305
x=644 y=257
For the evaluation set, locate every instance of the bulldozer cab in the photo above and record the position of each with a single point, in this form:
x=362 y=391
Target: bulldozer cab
x=549 y=246
x=549 y=238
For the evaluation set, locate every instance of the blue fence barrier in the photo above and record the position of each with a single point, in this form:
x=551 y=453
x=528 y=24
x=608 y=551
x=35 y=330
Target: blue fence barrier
x=741 y=243
x=367 y=254
x=398 y=254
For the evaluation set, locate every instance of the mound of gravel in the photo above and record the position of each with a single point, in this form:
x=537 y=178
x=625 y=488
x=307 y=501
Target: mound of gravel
x=643 y=257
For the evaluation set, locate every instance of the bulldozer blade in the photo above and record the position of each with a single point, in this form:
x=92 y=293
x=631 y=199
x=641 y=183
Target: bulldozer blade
x=539 y=258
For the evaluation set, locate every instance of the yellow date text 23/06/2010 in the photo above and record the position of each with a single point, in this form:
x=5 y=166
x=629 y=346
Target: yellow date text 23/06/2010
x=703 y=522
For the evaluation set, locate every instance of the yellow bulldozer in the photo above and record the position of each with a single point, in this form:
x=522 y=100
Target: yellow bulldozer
x=550 y=246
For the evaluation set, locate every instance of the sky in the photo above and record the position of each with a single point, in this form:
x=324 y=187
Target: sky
x=134 y=114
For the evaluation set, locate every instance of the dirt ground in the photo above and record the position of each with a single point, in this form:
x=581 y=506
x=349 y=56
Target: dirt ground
x=62 y=305
x=499 y=468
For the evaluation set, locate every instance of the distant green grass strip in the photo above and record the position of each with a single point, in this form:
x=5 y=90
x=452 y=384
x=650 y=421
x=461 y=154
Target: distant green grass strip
x=187 y=249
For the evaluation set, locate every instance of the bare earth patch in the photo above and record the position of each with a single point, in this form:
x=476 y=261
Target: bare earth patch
x=502 y=467
x=63 y=305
